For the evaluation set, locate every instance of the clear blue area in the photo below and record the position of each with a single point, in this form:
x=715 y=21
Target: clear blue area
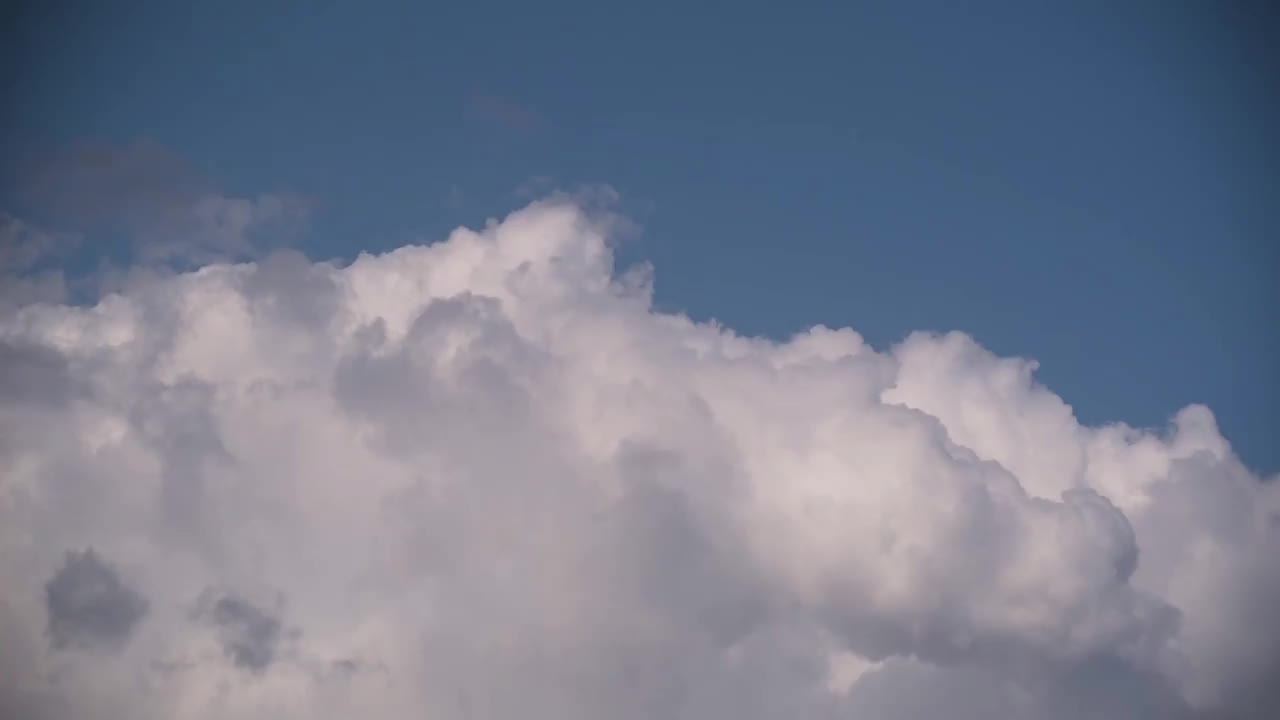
x=1092 y=184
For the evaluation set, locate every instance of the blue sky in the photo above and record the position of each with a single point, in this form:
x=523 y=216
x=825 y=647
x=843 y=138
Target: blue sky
x=1091 y=186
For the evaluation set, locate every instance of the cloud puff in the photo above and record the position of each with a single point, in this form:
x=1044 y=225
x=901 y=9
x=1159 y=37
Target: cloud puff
x=486 y=479
x=89 y=605
x=250 y=635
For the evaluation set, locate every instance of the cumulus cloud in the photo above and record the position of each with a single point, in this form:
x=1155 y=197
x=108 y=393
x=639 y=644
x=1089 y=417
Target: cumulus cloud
x=485 y=478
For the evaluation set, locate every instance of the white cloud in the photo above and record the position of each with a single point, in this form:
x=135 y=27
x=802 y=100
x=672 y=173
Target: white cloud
x=485 y=479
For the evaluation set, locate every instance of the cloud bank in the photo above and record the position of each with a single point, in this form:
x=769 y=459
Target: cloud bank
x=485 y=479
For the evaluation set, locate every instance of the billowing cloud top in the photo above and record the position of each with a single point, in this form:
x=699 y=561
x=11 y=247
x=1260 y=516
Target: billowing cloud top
x=485 y=479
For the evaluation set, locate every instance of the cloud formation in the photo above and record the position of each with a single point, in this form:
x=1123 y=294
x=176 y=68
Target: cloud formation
x=145 y=193
x=486 y=479
x=25 y=252
x=250 y=634
x=89 y=605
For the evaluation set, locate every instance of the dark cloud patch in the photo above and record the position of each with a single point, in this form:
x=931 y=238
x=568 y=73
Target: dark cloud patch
x=144 y=197
x=89 y=604
x=1107 y=686
x=251 y=635
x=293 y=290
x=91 y=183
x=677 y=560
x=32 y=373
x=346 y=666
x=348 y=669
x=25 y=247
x=29 y=262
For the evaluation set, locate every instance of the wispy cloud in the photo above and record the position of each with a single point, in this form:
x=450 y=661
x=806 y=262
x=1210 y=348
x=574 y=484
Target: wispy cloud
x=162 y=207
x=504 y=112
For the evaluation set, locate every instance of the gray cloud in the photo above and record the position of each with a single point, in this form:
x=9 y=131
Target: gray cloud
x=155 y=201
x=89 y=605
x=26 y=253
x=24 y=246
x=34 y=374
x=92 y=183
x=249 y=634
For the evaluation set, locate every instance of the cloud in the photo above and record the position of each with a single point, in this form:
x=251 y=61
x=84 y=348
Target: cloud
x=250 y=635
x=89 y=605
x=144 y=192
x=25 y=253
x=489 y=480
x=504 y=112
x=24 y=246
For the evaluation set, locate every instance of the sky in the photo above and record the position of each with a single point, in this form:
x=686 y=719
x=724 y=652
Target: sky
x=1066 y=183
x=894 y=360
